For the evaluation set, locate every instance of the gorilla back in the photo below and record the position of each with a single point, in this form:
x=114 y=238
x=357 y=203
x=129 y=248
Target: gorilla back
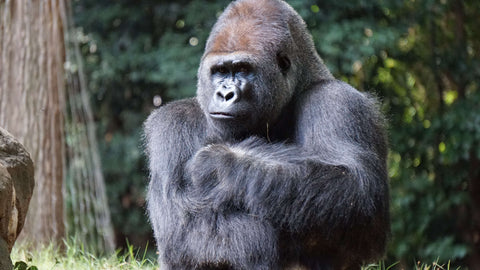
x=274 y=164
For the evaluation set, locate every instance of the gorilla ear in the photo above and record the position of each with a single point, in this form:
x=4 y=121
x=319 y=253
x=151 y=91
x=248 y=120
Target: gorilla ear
x=283 y=62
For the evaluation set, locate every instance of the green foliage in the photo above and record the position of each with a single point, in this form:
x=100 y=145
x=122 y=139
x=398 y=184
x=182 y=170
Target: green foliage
x=21 y=265
x=420 y=57
x=434 y=136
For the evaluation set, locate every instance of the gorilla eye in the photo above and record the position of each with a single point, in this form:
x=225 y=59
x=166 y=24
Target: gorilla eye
x=220 y=70
x=283 y=63
x=243 y=69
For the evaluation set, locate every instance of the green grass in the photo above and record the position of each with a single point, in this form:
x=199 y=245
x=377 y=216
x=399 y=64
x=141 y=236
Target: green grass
x=75 y=257
x=418 y=266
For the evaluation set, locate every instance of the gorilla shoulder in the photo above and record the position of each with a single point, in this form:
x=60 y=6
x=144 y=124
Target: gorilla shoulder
x=185 y=111
x=344 y=111
x=339 y=95
x=175 y=122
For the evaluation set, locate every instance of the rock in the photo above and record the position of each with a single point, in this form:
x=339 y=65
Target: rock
x=6 y=191
x=16 y=189
x=5 y=261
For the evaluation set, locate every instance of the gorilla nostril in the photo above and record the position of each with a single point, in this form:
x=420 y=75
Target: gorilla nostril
x=229 y=96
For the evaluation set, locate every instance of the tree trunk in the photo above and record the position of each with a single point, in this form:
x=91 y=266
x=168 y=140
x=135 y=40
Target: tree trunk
x=32 y=102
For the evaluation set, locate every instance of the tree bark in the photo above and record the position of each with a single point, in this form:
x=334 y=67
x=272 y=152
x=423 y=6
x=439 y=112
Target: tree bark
x=32 y=88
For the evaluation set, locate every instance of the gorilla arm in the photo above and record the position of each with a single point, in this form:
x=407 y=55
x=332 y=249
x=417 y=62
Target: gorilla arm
x=332 y=179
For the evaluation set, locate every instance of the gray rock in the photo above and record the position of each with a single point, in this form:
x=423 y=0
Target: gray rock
x=16 y=188
x=5 y=261
x=6 y=192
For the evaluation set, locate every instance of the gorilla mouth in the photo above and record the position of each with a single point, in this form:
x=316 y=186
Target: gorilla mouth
x=222 y=115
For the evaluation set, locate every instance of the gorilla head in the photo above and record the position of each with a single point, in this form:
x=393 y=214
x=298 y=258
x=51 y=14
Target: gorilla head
x=258 y=55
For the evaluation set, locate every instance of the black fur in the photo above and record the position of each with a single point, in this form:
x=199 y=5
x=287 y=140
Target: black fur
x=302 y=183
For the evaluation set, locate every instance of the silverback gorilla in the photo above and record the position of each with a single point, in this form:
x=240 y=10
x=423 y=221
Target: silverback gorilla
x=274 y=164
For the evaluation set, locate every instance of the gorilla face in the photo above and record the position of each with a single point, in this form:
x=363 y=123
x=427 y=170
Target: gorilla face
x=232 y=82
x=240 y=97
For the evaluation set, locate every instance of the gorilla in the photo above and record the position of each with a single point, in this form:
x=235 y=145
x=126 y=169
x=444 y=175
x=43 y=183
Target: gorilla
x=274 y=164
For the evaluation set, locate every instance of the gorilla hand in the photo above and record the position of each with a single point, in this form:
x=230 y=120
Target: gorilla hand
x=210 y=170
x=220 y=173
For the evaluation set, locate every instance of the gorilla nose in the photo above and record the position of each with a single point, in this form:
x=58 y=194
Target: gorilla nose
x=227 y=95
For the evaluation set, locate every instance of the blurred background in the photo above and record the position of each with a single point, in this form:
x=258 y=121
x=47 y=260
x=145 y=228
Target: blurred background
x=421 y=57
